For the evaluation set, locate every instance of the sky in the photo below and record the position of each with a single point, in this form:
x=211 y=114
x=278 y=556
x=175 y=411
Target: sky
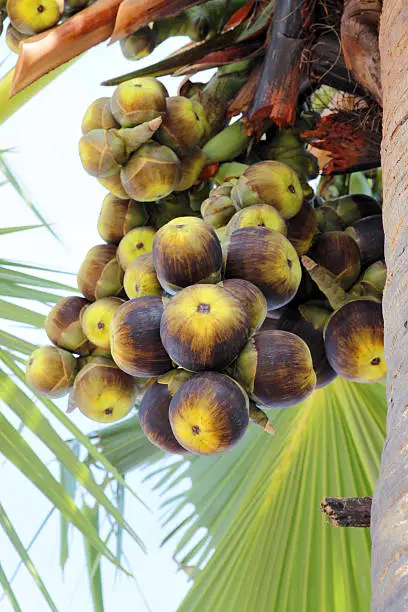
x=44 y=134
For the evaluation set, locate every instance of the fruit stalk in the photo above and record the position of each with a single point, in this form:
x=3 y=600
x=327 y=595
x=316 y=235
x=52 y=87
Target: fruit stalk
x=259 y=417
x=326 y=281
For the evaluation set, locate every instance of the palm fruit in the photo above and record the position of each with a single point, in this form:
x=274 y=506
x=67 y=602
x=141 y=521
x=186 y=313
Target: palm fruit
x=369 y=235
x=186 y=251
x=73 y=6
x=63 y=325
x=268 y=260
x=373 y=279
x=102 y=152
x=301 y=229
x=151 y=173
x=204 y=327
x=191 y=166
x=13 y=38
x=276 y=369
x=139 y=44
x=209 y=413
x=261 y=215
x=354 y=341
x=96 y=353
x=338 y=253
x=269 y=182
x=140 y=278
x=114 y=184
x=228 y=171
x=135 y=243
x=307 y=321
x=135 y=338
x=98 y=116
x=100 y=274
x=198 y=193
x=30 y=17
x=51 y=371
x=118 y=217
x=96 y=320
x=169 y=208
x=252 y=299
x=103 y=392
x=154 y=411
x=217 y=210
x=138 y=100
x=341 y=212
x=184 y=125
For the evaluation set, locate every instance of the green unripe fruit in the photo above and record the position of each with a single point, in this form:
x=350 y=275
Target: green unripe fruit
x=51 y=371
x=114 y=184
x=30 y=17
x=138 y=100
x=139 y=44
x=191 y=166
x=272 y=183
x=184 y=126
x=217 y=210
x=14 y=37
x=98 y=116
x=118 y=217
x=151 y=173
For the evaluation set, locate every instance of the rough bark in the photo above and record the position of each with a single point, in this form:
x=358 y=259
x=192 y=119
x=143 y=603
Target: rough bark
x=389 y=526
x=347 y=511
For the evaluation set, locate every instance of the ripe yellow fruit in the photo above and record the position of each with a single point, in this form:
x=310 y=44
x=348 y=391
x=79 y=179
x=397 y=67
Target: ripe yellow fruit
x=96 y=320
x=51 y=371
x=33 y=16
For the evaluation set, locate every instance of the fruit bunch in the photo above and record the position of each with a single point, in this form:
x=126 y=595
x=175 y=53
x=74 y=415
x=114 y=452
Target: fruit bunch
x=216 y=295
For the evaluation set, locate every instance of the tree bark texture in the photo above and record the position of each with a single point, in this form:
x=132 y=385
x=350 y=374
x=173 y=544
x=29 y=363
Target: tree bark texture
x=389 y=518
x=347 y=511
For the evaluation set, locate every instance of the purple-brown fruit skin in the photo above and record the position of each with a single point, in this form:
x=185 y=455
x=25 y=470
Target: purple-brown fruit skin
x=369 y=236
x=65 y=313
x=154 y=419
x=338 y=253
x=302 y=228
x=91 y=272
x=135 y=338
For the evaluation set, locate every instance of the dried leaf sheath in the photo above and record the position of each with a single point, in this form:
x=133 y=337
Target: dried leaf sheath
x=278 y=89
x=40 y=54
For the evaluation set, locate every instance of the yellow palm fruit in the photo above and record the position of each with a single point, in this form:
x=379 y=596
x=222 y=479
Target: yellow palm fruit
x=51 y=371
x=96 y=320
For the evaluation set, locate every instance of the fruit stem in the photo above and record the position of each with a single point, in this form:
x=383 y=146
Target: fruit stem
x=327 y=283
x=259 y=417
x=228 y=144
x=136 y=136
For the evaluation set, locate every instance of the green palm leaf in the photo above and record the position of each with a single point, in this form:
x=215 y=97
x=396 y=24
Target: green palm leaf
x=8 y=590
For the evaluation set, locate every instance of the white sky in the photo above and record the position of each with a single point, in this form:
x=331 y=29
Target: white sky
x=45 y=134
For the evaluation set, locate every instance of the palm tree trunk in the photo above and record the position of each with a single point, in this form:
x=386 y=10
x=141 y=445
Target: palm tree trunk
x=389 y=519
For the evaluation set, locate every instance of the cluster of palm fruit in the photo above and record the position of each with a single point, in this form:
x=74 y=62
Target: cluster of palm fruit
x=29 y=17
x=216 y=298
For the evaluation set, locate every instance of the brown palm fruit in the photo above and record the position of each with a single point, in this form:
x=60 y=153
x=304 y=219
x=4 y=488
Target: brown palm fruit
x=261 y=215
x=186 y=251
x=103 y=392
x=154 y=411
x=96 y=320
x=114 y=185
x=184 y=126
x=302 y=228
x=151 y=173
x=338 y=253
x=73 y=6
x=337 y=214
x=204 y=327
x=30 y=17
x=354 y=341
x=98 y=116
x=135 y=338
x=252 y=299
x=307 y=321
x=141 y=278
x=217 y=210
x=169 y=208
x=268 y=260
x=135 y=243
x=209 y=414
x=63 y=326
x=269 y=182
x=51 y=371
x=138 y=100
x=369 y=235
x=139 y=44
x=374 y=278
x=276 y=369
x=102 y=152
x=13 y=38
x=190 y=169
x=118 y=217
x=100 y=274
